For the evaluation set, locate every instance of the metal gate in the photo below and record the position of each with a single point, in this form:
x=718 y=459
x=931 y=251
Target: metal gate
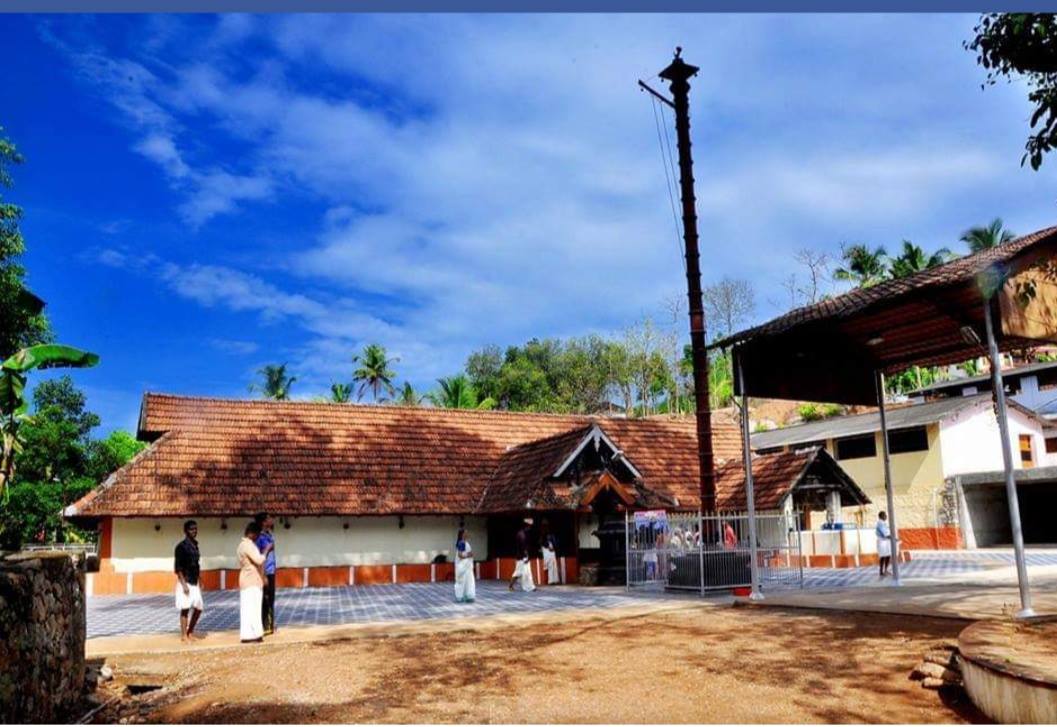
x=688 y=551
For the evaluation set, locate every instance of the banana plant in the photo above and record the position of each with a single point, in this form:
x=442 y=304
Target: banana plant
x=13 y=403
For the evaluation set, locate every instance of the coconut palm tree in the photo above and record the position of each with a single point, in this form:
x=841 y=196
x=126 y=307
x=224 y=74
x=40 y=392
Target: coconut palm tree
x=373 y=372
x=986 y=237
x=341 y=393
x=913 y=260
x=408 y=396
x=275 y=382
x=456 y=392
x=863 y=266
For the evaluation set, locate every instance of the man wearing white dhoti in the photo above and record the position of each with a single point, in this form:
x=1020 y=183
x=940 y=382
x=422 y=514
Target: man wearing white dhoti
x=188 y=591
x=251 y=584
x=523 y=569
x=884 y=543
x=549 y=544
x=465 y=582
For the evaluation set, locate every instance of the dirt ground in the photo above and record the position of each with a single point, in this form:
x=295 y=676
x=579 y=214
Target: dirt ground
x=684 y=664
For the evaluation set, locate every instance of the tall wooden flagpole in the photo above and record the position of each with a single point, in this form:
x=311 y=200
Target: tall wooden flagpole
x=678 y=74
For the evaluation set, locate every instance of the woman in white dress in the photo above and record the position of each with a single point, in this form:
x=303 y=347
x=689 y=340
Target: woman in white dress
x=884 y=543
x=465 y=582
x=251 y=585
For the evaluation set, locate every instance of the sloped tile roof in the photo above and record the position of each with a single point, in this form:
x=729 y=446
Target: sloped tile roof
x=231 y=457
x=776 y=475
x=773 y=476
x=962 y=270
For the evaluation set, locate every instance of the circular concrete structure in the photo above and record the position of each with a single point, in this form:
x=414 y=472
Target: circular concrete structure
x=1010 y=669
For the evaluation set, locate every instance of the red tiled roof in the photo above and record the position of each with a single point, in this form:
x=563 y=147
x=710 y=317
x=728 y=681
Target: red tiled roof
x=961 y=270
x=230 y=457
x=776 y=475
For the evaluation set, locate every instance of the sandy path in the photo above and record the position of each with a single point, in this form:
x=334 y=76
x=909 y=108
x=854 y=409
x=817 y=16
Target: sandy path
x=693 y=664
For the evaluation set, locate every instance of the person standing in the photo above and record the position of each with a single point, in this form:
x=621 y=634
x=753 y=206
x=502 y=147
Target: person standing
x=523 y=569
x=186 y=565
x=549 y=544
x=465 y=582
x=884 y=543
x=251 y=584
x=264 y=540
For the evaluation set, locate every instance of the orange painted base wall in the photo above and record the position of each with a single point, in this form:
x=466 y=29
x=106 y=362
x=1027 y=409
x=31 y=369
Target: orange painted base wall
x=949 y=538
x=107 y=582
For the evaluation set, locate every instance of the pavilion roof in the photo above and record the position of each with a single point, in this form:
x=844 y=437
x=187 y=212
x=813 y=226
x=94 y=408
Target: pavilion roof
x=829 y=351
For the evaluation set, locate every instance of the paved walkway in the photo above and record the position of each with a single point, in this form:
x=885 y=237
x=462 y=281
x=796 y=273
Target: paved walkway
x=154 y=614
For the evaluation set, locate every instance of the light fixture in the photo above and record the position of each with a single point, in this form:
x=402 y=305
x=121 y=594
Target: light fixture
x=223 y=523
x=157 y=526
x=345 y=525
x=286 y=523
x=400 y=521
x=875 y=341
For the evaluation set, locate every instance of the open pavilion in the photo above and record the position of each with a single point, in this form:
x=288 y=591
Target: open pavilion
x=840 y=349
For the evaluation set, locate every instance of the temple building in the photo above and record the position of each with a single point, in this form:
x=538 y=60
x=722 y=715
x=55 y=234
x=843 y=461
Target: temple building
x=375 y=494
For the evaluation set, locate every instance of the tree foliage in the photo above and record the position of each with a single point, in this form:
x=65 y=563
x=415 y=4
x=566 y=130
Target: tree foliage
x=59 y=462
x=275 y=382
x=341 y=393
x=374 y=372
x=913 y=260
x=456 y=392
x=862 y=266
x=23 y=322
x=1015 y=46
x=987 y=236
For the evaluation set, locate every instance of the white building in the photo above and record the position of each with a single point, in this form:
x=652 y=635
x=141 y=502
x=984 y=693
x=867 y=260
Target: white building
x=944 y=456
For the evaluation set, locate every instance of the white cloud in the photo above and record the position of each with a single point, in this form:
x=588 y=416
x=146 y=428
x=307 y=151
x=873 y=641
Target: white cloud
x=488 y=179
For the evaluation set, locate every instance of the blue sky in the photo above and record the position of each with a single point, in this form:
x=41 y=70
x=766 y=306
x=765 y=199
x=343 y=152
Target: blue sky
x=204 y=195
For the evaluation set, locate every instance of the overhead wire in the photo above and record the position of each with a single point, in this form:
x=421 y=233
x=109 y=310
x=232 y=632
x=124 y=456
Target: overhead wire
x=669 y=180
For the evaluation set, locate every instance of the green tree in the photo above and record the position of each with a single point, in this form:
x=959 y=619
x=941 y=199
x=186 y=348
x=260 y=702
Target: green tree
x=1023 y=46
x=483 y=368
x=23 y=322
x=275 y=382
x=341 y=393
x=986 y=236
x=862 y=266
x=456 y=392
x=109 y=454
x=374 y=372
x=408 y=396
x=913 y=260
x=36 y=440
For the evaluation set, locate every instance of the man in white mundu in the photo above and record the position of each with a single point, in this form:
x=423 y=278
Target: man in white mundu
x=523 y=569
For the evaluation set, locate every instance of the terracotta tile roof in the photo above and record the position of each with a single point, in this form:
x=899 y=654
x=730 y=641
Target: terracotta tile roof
x=776 y=475
x=962 y=270
x=773 y=476
x=232 y=457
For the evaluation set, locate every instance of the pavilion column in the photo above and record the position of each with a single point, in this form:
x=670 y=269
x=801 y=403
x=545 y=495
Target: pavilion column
x=879 y=381
x=998 y=394
x=750 y=499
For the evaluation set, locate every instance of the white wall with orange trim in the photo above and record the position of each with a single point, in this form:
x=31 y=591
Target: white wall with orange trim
x=146 y=544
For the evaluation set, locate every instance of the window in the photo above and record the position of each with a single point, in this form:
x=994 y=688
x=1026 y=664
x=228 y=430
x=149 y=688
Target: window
x=770 y=450
x=804 y=446
x=1026 y=458
x=858 y=447
x=914 y=439
x=1051 y=445
x=1047 y=380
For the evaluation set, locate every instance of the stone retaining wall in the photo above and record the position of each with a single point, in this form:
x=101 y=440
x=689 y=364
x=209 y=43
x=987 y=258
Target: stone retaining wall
x=42 y=633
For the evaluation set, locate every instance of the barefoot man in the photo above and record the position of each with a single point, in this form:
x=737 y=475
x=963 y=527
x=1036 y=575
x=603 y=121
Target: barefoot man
x=188 y=593
x=523 y=569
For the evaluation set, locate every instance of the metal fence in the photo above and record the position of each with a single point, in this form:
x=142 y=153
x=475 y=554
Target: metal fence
x=688 y=551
